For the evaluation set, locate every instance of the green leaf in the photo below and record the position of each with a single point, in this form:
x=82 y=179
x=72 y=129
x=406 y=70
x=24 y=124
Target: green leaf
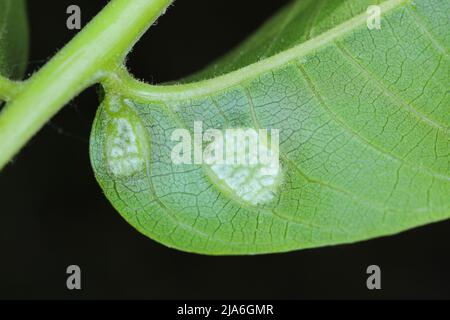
x=363 y=117
x=13 y=38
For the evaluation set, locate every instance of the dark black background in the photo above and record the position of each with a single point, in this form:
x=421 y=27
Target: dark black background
x=53 y=214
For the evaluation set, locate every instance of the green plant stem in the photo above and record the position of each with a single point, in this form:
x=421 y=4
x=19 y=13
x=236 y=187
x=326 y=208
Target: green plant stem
x=101 y=46
x=8 y=88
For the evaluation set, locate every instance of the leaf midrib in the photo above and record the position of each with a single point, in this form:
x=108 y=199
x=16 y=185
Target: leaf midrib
x=206 y=87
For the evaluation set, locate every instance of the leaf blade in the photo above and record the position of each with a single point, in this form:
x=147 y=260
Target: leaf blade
x=363 y=154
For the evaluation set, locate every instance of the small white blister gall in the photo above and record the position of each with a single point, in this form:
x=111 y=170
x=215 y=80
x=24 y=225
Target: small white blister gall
x=123 y=150
x=253 y=182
